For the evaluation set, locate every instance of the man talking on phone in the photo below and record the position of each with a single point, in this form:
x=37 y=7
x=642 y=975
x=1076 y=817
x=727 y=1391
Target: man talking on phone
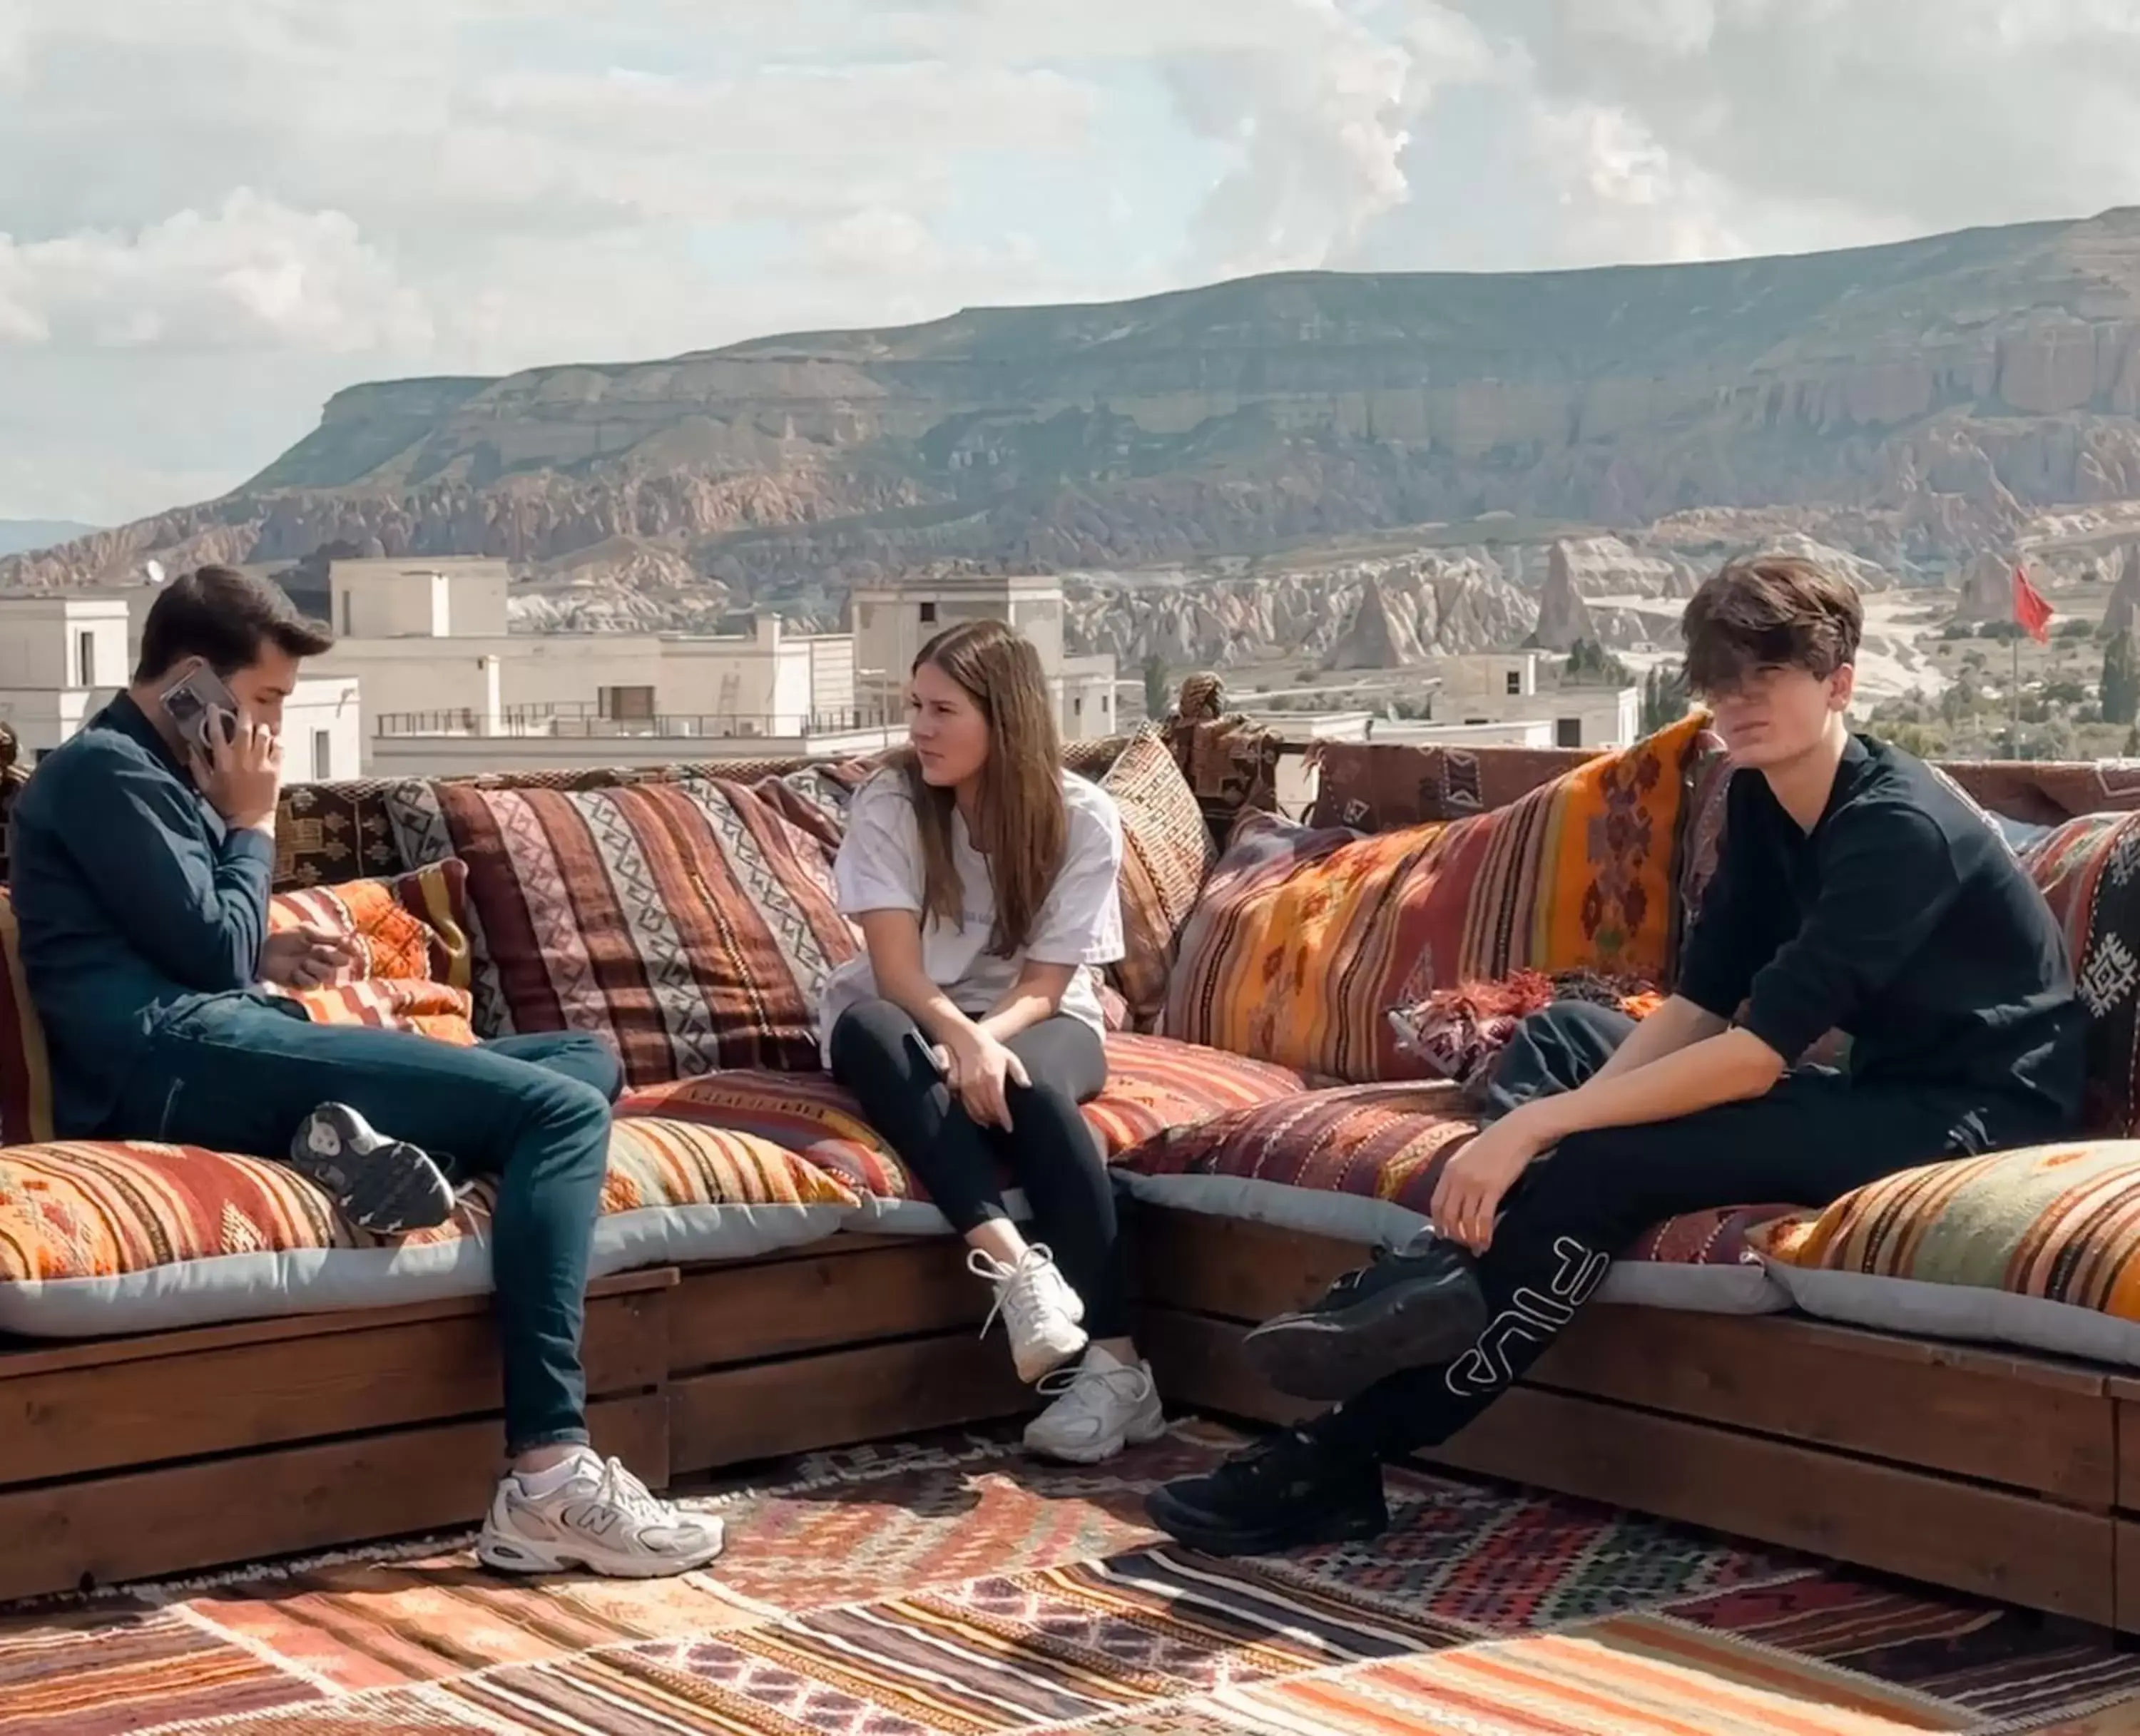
x=143 y=851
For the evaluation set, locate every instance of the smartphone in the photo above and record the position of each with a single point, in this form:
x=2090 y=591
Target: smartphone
x=194 y=699
x=919 y=1045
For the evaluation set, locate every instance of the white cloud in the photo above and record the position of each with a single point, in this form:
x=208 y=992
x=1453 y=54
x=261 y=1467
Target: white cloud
x=252 y=275
x=314 y=192
x=1913 y=114
x=1316 y=119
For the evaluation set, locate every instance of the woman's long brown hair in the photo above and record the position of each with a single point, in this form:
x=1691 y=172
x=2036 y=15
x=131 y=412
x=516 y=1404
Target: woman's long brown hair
x=1021 y=824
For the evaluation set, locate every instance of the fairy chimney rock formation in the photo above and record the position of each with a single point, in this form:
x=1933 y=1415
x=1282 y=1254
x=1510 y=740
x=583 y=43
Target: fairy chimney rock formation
x=1564 y=616
x=1987 y=588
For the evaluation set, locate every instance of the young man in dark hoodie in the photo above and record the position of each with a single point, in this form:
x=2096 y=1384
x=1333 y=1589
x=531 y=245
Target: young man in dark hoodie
x=1858 y=890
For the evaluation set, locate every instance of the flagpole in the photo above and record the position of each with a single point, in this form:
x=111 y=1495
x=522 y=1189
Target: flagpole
x=2014 y=698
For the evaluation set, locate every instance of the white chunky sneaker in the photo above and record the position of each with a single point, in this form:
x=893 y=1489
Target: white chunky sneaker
x=597 y=1518
x=1104 y=1405
x=1040 y=1310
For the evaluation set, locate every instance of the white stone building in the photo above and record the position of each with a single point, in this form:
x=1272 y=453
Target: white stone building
x=892 y=622
x=447 y=687
x=1518 y=688
x=63 y=655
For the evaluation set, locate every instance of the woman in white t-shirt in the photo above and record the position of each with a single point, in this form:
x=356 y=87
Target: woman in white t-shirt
x=983 y=876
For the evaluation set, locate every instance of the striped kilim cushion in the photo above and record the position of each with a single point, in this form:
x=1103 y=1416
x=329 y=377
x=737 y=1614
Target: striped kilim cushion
x=1305 y=939
x=1166 y=853
x=2038 y=1248
x=1153 y=1083
x=691 y=922
x=1360 y=1162
x=410 y=931
x=108 y=1237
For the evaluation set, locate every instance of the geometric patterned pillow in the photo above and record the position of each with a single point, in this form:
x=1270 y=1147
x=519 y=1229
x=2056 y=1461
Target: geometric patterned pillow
x=691 y=922
x=1166 y=852
x=2089 y=870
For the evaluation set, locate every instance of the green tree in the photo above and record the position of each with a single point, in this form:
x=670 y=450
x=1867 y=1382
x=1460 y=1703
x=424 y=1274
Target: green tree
x=2121 y=680
x=2133 y=743
x=1589 y=664
x=1665 y=697
x=1156 y=696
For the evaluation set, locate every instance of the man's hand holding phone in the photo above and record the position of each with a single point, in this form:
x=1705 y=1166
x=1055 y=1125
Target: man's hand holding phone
x=241 y=771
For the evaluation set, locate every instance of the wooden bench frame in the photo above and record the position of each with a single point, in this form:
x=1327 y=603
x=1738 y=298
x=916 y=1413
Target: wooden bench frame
x=2010 y=1476
x=2004 y=1474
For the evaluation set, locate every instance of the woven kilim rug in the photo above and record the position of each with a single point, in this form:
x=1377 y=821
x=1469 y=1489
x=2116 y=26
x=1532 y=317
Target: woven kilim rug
x=958 y=1587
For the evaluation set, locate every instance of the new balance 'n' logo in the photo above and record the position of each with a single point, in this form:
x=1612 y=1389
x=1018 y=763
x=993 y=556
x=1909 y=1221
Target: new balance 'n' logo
x=1529 y=1318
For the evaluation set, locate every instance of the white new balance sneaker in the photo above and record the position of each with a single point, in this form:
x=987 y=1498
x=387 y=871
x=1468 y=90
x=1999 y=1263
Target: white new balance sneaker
x=1040 y=1310
x=597 y=1518
x=1104 y=1405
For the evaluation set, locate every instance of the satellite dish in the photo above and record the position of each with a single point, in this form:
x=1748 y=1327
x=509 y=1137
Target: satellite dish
x=154 y=569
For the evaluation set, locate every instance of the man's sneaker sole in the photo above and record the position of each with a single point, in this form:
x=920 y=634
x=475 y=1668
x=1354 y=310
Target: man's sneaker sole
x=510 y=1555
x=1330 y=1357
x=1200 y=1531
x=385 y=1187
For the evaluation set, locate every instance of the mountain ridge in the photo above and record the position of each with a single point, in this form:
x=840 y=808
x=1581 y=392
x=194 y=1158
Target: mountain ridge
x=1918 y=399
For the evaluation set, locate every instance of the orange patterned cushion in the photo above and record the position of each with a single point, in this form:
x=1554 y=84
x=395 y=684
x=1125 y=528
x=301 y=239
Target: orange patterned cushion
x=411 y=939
x=102 y=1235
x=1304 y=940
x=1153 y=1083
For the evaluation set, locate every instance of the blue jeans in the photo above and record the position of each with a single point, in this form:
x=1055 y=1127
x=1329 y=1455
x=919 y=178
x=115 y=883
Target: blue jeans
x=232 y=1075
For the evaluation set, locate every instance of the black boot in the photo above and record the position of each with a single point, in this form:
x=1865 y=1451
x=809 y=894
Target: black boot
x=1283 y=1492
x=1411 y=1309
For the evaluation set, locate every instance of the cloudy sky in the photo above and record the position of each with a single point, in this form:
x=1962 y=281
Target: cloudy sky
x=214 y=213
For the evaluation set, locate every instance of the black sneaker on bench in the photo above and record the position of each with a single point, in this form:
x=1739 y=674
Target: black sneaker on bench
x=387 y=1187
x=1412 y=1308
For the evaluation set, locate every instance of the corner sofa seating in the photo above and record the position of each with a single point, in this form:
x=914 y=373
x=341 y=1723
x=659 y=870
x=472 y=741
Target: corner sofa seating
x=199 y=1365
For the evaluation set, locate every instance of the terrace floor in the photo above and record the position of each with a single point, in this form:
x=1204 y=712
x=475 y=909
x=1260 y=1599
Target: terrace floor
x=951 y=1585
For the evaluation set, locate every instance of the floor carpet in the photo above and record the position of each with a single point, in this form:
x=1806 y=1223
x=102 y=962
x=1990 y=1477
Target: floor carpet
x=957 y=1587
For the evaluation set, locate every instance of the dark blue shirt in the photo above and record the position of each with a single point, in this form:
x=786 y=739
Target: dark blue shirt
x=135 y=901
x=1902 y=918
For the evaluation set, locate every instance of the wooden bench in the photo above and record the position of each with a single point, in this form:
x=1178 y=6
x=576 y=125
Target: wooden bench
x=2011 y=1476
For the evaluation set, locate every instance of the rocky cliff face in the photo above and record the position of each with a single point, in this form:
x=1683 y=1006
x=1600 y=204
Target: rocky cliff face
x=1376 y=615
x=1920 y=398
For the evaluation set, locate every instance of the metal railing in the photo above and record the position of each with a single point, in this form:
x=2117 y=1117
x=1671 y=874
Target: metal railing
x=573 y=723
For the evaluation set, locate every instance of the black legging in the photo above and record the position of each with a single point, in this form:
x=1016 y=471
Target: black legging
x=1812 y=1138
x=877 y=1052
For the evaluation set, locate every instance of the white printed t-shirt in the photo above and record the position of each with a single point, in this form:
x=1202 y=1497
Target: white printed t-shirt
x=879 y=868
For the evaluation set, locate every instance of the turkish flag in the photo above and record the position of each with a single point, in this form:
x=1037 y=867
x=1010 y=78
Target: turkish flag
x=2031 y=610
